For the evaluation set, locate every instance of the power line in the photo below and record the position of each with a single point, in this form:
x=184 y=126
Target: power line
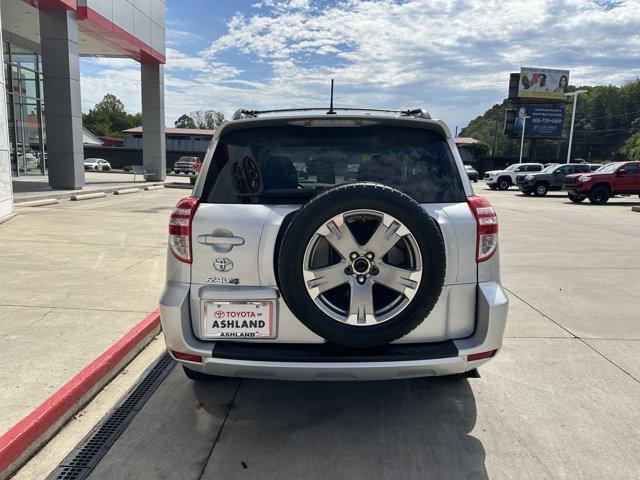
x=608 y=116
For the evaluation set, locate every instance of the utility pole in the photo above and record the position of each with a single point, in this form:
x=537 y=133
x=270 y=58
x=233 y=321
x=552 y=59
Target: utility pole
x=524 y=125
x=495 y=134
x=573 y=118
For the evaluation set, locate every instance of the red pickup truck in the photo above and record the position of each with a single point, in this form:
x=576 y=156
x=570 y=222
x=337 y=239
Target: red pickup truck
x=619 y=178
x=188 y=165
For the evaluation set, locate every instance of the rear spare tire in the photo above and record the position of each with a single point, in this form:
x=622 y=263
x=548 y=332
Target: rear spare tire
x=361 y=264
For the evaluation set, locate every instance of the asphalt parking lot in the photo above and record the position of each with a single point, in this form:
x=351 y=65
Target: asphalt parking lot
x=559 y=402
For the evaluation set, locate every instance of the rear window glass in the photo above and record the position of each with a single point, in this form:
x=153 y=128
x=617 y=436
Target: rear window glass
x=290 y=164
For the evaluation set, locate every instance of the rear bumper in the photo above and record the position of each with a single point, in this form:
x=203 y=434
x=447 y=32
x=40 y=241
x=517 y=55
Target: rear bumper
x=491 y=315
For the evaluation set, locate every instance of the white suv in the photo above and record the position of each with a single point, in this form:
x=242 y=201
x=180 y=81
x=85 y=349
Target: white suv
x=503 y=179
x=378 y=263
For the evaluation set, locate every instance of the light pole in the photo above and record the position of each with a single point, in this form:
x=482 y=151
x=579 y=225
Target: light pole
x=573 y=118
x=524 y=125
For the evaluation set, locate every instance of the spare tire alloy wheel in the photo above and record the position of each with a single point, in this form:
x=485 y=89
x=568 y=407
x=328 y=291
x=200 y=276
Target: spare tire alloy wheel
x=362 y=264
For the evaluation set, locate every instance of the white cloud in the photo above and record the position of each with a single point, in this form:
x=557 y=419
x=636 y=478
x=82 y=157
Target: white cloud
x=452 y=56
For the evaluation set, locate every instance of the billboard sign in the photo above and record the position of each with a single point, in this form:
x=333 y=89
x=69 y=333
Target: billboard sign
x=514 y=83
x=543 y=83
x=546 y=120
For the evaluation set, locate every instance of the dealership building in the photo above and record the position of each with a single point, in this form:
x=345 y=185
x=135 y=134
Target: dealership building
x=40 y=115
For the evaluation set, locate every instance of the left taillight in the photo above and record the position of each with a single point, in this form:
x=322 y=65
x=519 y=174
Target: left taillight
x=487 y=228
x=180 y=228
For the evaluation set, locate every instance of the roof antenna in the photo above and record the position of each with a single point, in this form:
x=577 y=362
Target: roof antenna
x=331 y=110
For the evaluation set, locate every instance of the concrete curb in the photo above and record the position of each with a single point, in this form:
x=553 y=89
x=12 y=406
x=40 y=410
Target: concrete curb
x=69 y=194
x=154 y=187
x=87 y=196
x=125 y=191
x=26 y=437
x=8 y=217
x=38 y=203
x=186 y=186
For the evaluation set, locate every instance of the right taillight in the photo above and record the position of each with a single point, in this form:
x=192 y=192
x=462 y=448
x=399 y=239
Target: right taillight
x=180 y=228
x=487 y=227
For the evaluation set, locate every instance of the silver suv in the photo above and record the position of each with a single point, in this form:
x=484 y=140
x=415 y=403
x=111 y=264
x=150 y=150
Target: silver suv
x=378 y=263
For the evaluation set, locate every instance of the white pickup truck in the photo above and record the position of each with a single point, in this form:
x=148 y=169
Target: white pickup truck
x=503 y=179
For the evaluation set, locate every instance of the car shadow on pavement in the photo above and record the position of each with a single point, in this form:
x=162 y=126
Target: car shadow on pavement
x=418 y=428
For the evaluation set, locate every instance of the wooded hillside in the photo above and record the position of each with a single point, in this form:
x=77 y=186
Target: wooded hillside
x=607 y=127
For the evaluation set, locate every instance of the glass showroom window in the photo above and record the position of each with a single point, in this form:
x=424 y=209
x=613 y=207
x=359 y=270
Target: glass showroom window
x=25 y=110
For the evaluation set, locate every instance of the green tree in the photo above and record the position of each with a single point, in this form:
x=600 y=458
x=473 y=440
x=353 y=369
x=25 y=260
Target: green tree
x=605 y=119
x=185 y=121
x=631 y=148
x=109 y=117
x=476 y=149
x=205 y=119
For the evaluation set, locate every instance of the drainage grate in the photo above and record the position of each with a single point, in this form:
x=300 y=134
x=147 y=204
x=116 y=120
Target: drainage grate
x=85 y=456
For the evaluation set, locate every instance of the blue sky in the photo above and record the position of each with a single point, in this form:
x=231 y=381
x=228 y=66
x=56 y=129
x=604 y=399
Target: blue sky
x=452 y=57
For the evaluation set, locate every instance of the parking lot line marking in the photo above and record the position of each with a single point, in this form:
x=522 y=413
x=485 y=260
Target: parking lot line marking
x=573 y=335
x=224 y=421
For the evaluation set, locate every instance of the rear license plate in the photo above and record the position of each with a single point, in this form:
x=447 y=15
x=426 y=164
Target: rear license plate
x=239 y=320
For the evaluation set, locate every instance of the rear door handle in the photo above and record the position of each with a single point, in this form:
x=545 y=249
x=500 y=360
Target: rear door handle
x=209 y=239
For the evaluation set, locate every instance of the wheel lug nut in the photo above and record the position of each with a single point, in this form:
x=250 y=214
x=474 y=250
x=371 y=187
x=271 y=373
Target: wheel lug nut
x=374 y=270
x=361 y=279
x=348 y=271
x=369 y=255
x=353 y=255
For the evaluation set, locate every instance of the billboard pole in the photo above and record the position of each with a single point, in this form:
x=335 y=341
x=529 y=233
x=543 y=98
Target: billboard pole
x=524 y=125
x=573 y=118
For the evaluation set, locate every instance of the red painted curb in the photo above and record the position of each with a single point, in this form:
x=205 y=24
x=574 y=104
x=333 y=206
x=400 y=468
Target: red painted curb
x=18 y=439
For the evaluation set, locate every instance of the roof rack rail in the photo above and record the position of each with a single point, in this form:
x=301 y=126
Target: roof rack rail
x=243 y=113
x=417 y=113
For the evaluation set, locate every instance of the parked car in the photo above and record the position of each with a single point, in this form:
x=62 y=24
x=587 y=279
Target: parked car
x=503 y=179
x=394 y=275
x=28 y=162
x=301 y=169
x=351 y=172
x=549 y=179
x=472 y=173
x=188 y=164
x=618 y=178
x=594 y=166
x=97 y=164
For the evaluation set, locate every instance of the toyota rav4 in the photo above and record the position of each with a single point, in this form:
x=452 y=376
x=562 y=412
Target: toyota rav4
x=388 y=270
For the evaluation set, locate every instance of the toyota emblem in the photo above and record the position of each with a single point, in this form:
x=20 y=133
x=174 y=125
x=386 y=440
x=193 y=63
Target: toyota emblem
x=223 y=264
